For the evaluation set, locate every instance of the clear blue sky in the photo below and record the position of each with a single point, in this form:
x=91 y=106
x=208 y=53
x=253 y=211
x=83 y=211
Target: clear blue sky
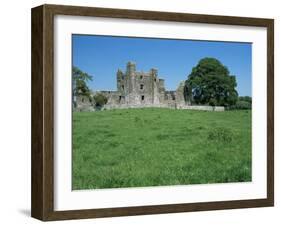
x=101 y=56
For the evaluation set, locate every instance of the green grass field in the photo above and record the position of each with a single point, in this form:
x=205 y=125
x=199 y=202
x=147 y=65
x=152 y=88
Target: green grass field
x=150 y=147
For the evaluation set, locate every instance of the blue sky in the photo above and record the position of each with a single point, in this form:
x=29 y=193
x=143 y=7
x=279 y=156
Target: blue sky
x=101 y=56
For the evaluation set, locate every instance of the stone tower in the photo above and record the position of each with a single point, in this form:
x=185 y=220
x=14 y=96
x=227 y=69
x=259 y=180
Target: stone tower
x=139 y=88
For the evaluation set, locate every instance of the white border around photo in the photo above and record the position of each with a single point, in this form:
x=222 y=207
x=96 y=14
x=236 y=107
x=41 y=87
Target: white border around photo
x=67 y=199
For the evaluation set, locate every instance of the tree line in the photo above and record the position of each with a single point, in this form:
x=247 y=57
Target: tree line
x=209 y=83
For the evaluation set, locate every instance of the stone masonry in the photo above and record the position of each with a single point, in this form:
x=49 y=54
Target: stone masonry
x=137 y=89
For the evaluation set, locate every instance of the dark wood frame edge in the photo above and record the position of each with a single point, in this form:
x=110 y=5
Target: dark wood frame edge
x=42 y=203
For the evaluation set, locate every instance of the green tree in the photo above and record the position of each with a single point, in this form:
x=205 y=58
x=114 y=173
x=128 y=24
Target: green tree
x=100 y=100
x=80 y=80
x=246 y=98
x=210 y=83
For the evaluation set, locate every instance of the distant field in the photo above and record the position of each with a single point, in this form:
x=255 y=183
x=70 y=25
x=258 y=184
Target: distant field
x=150 y=147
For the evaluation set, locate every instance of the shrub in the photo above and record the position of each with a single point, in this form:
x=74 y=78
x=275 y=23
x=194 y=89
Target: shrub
x=241 y=105
x=246 y=98
x=137 y=119
x=100 y=100
x=213 y=102
x=220 y=135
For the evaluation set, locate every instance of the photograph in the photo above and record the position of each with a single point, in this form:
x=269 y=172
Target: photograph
x=137 y=112
x=160 y=112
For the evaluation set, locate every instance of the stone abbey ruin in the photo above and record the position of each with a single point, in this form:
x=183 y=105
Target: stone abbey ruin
x=137 y=89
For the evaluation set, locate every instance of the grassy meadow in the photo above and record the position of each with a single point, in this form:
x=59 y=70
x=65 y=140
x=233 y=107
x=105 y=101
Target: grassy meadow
x=152 y=147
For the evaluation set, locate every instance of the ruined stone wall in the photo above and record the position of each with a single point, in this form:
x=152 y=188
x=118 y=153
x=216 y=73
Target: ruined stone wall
x=138 y=88
x=143 y=89
x=82 y=103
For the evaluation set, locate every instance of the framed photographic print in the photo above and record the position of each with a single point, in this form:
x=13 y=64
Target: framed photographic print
x=142 y=112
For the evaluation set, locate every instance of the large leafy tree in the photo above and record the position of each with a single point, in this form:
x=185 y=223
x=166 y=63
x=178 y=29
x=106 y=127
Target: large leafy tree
x=211 y=83
x=80 y=80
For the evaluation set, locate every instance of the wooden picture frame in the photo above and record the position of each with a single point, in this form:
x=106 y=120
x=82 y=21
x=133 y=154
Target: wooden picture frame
x=42 y=203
